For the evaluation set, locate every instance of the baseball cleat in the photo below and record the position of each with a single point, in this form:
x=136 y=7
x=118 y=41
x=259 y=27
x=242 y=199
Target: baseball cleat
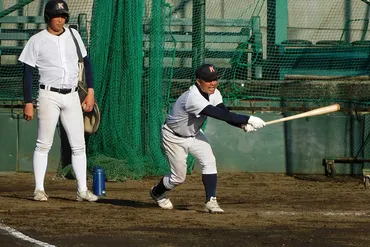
x=87 y=196
x=40 y=195
x=161 y=200
x=212 y=207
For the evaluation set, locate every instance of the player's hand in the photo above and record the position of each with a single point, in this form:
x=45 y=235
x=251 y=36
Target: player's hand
x=88 y=103
x=256 y=122
x=28 y=111
x=248 y=128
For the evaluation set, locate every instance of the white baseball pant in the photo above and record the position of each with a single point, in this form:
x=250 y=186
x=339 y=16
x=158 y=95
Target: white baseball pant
x=51 y=106
x=177 y=149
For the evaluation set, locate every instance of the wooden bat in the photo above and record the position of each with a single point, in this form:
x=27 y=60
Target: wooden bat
x=315 y=112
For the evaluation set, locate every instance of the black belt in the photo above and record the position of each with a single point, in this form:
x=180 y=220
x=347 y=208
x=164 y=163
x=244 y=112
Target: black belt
x=173 y=132
x=60 y=90
x=176 y=134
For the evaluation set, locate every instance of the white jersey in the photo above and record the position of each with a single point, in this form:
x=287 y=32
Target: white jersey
x=55 y=57
x=184 y=118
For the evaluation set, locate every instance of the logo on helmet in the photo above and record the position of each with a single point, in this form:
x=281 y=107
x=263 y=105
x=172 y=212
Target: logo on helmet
x=211 y=69
x=60 y=6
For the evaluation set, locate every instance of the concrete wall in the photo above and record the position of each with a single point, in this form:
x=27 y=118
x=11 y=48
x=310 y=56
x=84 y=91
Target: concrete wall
x=18 y=141
x=294 y=147
x=234 y=149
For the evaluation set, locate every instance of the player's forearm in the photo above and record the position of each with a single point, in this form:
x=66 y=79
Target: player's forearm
x=222 y=106
x=88 y=72
x=221 y=114
x=27 y=83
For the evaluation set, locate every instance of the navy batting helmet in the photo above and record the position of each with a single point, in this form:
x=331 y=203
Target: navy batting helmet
x=56 y=8
x=207 y=72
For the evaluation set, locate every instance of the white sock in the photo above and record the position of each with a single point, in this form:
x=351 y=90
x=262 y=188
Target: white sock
x=79 y=168
x=40 y=163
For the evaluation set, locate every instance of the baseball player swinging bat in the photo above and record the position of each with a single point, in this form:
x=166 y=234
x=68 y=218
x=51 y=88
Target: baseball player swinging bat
x=315 y=112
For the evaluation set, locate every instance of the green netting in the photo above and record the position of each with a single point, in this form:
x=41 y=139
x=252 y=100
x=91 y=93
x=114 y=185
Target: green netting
x=129 y=136
x=144 y=54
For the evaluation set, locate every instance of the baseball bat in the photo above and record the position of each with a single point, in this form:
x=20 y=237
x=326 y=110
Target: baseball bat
x=315 y=112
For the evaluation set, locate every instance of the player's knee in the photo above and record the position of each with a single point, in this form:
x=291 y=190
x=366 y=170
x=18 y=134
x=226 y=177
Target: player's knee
x=177 y=180
x=171 y=181
x=209 y=167
x=43 y=147
x=78 y=150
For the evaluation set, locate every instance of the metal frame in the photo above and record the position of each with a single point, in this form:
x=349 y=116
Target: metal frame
x=330 y=163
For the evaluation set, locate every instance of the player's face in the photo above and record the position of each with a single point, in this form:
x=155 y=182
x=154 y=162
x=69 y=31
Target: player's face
x=207 y=86
x=55 y=26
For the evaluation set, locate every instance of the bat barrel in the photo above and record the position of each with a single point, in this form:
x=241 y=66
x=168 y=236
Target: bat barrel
x=315 y=112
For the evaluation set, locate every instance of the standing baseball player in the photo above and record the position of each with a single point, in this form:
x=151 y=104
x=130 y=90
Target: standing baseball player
x=182 y=134
x=54 y=53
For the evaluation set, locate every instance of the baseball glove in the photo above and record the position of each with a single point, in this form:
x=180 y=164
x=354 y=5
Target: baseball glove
x=91 y=119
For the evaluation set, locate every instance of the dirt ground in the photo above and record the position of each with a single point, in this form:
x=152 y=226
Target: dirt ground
x=261 y=210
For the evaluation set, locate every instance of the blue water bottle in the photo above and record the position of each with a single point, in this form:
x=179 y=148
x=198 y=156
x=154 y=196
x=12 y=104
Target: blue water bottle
x=99 y=181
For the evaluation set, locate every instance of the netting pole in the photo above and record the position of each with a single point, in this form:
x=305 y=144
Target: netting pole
x=271 y=6
x=82 y=28
x=199 y=27
x=347 y=17
x=156 y=43
x=198 y=48
x=155 y=90
x=277 y=22
x=257 y=56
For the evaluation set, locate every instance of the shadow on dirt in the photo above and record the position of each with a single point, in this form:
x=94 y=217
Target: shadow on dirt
x=127 y=203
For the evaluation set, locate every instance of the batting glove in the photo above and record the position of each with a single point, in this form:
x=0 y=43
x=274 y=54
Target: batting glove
x=249 y=128
x=256 y=122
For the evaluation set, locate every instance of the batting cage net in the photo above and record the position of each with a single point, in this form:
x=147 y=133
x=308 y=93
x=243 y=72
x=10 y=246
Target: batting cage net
x=144 y=54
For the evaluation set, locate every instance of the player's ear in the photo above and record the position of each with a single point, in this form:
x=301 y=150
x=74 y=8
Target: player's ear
x=197 y=81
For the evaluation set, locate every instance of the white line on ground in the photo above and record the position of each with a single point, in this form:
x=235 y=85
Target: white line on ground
x=19 y=235
x=337 y=213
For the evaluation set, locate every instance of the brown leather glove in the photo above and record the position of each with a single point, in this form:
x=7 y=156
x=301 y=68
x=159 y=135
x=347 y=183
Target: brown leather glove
x=92 y=118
